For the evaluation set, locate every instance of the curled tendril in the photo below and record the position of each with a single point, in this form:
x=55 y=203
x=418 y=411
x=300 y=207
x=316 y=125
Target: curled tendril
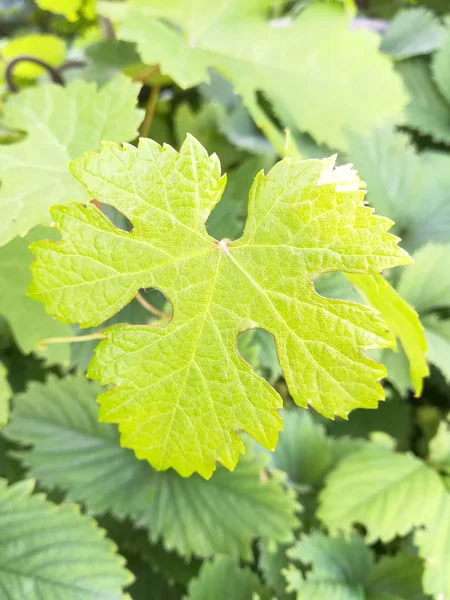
x=54 y=74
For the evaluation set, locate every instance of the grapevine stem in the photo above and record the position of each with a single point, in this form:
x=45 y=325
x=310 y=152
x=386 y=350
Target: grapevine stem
x=149 y=111
x=42 y=344
x=143 y=302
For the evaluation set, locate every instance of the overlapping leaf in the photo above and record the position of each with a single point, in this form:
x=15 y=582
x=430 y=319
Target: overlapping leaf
x=74 y=452
x=412 y=32
x=388 y=493
x=28 y=320
x=235 y=38
x=223 y=579
x=344 y=569
x=184 y=390
x=49 y=551
x=5 y=395
x=61 y=124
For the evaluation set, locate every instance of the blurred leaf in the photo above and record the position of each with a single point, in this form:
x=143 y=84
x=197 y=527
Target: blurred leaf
x=61 y=124
x=203 y=125
x=434 y=547
x=28 y=320
x=380 y=481
x=438 y=340
x=303 y=449
x=426 y=283
x=272 y=562
x=339 y=568
x=427 y=111
x=396 y=578
x=440 y=65
x=223 y=579
x=74 y=452
x=5 y=395
x=187 y=39
x=411 y=32
x=439 y=455
x=46 y=47
x=49 y=551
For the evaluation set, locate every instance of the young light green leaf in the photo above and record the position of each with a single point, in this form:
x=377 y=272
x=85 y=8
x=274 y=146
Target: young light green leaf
x=48 y=48
x=72 y=451
x=439 y=455
x=61 y=124
x=5 y=395
x=402 y=320
x=304 y=219
x=187 y=39
x=371 y=487
x=434 y=547
x=223 y=579
x=411 y=32
x=28 y=320
x=49 y=551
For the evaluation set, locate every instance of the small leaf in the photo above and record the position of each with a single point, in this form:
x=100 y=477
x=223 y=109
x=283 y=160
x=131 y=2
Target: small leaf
x=61 y=124
x=49 y=551
x=380 y=481
x=304 y=219
x=75 y=453
x=222 y=579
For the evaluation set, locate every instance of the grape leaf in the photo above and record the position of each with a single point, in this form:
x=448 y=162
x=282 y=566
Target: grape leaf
x=28 y=320
x=5 y=395
x=61 y=124
x=440 y=447
x=235 y=38
x=402 y=321
x=183 y=410
x=380 y=482
x=223 y=579
x=74 y=452
x=438 y=340
x=46 y=47
x=411 y=32
x=49 y=551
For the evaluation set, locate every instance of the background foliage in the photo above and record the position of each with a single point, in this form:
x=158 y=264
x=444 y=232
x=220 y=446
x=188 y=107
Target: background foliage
x=341 y=510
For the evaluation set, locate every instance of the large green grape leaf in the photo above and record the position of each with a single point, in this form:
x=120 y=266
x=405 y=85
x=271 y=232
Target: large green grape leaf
x=72 y=451
x=28 y=320
x=61 y=124
x=294 y=65
x=402 y=321
x=223 y=579
x=49 y=551
x=344 y=569
x=388 y=493
x=183 y=391
x=5 y=395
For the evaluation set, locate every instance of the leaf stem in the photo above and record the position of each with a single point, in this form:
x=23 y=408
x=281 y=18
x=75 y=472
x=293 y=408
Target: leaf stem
x=143 y=302
x=42 y=344
x=149 y=111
